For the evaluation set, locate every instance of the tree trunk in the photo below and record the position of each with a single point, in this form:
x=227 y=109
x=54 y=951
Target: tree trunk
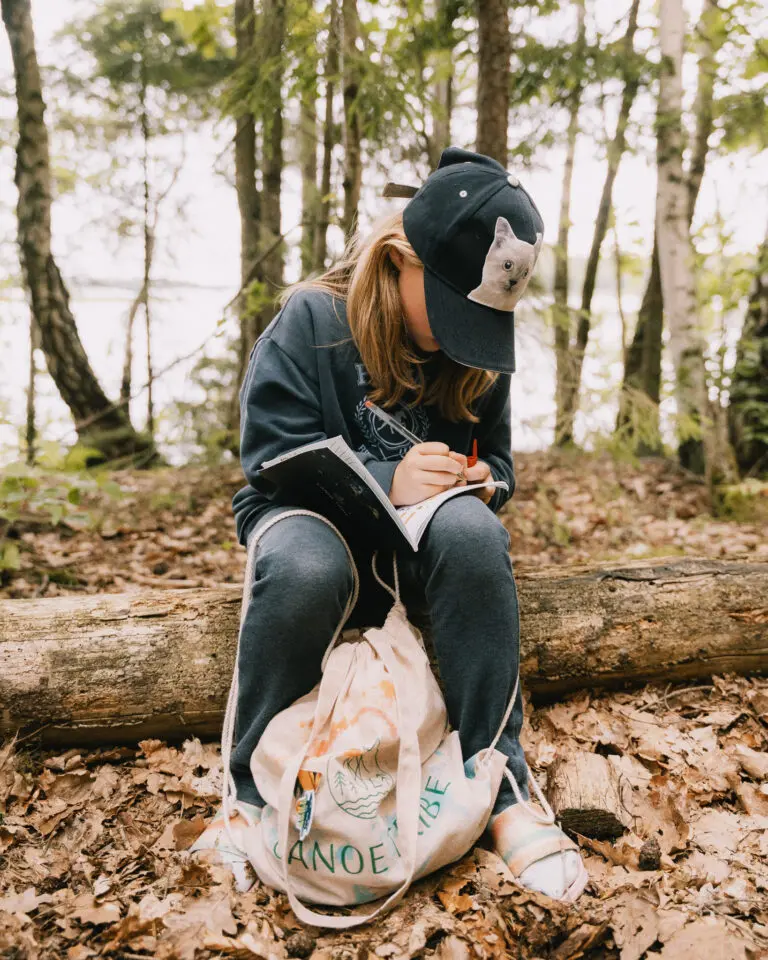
x=711 y=37
x=273 y=24
x=638 y=405
x=353 y=164
x=31 y=424
x=638 y=417
x=697 y=441
x=494 y=50
x=100 y=424
x=149 y=244
x=442 y=84
x=308 y=161
x=561 y=311
x=249 y=206
x=748 y=409
x=330 y=76
x=120 y=667
x=572 y=385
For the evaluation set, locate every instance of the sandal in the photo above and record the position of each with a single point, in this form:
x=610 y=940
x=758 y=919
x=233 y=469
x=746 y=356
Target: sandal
x=524 y=834
x=224 y=835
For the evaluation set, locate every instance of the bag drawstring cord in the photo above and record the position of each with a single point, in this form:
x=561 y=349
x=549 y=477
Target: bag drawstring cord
x=229 y=790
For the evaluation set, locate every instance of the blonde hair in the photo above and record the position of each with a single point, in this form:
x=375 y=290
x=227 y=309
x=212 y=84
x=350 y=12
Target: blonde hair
x=366 y=278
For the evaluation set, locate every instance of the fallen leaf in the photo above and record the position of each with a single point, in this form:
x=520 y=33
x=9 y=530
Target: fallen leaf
x=708 y=937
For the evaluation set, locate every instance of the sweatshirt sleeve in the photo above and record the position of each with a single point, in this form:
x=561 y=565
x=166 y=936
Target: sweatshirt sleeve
x=280 y=410
x=494 y=439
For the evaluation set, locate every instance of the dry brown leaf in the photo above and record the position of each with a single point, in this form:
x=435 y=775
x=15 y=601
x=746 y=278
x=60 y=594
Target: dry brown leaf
x=754 y=763
x=185 y=832
x=87 y=909
x=453 y=948
x=707 y=937
x=753 y=799
x=635 y=925
x=23 y=903
x=585 y=937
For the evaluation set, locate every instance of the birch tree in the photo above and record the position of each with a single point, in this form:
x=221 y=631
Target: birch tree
x=638 y=416
x=695 y=417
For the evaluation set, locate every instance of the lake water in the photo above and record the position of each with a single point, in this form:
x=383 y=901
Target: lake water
x=185 y=318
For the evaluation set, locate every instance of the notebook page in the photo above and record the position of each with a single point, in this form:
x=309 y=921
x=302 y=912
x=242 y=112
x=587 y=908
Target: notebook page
x=416 y=517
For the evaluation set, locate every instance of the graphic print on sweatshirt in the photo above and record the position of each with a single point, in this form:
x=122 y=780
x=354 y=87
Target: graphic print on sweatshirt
x=384 y=442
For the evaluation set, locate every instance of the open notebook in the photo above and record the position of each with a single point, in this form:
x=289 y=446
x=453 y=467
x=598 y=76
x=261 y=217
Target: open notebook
x=327 y=476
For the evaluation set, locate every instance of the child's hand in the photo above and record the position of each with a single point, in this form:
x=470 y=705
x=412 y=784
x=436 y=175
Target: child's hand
x=477 y=474
x=427 y=469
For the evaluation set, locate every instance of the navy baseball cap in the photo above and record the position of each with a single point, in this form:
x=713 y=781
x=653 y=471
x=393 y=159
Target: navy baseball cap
x=478 y=233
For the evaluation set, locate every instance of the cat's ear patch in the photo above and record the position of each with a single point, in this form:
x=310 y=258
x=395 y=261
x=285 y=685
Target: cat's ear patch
x=507 y=269
x=504 y=231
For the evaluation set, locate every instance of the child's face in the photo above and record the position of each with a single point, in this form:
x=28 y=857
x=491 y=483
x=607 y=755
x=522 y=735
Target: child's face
x=411 y=285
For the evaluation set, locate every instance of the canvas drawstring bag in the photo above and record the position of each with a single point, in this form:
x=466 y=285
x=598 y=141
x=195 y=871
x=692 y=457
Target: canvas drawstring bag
x=365 y=786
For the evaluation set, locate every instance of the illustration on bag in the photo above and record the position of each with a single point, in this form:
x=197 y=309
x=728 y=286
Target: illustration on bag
x=507 y=269
x=307 y=783
x=357 y=783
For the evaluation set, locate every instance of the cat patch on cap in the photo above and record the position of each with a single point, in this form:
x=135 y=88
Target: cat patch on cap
x=507 y=269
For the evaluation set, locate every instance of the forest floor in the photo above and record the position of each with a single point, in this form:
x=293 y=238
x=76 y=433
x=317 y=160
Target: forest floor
x=93 y=842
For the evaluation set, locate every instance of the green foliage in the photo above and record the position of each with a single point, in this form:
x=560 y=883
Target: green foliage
x=140 y=45
x=200 y=423
x=638 y=430
x=741 y=113
x=745 y=502
x=42 y=494
x=206 y=26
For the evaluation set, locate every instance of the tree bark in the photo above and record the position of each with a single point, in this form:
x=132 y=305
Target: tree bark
x=308 y=161
x=638 y=414
x=697 y=440
x=249 y=206
x=149 y=245
x=561 y=312
x=748 y=408
x=31 y=419
x=589 y=795
x=120 y=667
x=494 y=50
x=273 y=25
x=638 y=417
x=572 y=384
x=353 y=164
x=442 y=84
x=100 y=424
x=330 y=77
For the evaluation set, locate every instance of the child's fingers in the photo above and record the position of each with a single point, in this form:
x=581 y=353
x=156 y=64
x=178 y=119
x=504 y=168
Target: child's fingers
x=438 y=464
x=435 y=478
x=431 y=446
x=481 y=471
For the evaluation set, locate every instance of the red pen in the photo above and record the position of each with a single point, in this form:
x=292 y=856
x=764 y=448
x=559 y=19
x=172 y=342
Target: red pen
x=472 y=458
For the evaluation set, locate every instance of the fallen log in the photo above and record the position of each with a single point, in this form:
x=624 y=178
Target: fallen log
x=120 y=667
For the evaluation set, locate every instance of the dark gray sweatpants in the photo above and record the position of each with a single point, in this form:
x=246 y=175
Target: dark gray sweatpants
x=462 y=574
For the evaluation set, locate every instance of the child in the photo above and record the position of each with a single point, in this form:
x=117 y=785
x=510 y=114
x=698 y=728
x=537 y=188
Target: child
x=417 y=318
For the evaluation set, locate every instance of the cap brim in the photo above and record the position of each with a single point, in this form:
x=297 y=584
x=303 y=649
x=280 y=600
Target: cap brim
x=468 y=332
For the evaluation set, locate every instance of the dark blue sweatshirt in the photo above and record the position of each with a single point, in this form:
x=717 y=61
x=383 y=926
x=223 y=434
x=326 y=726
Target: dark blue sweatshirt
x=306 y=381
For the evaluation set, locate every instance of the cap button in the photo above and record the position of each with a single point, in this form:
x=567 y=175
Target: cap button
x=513 y=181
